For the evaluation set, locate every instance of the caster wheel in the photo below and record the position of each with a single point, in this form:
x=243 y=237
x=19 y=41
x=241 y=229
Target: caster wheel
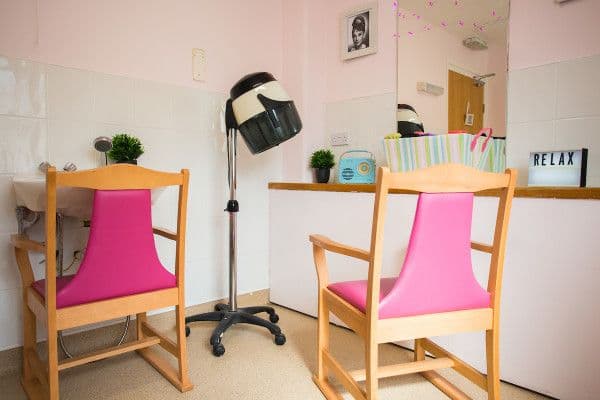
x=274 y=318
x=218 y=350
x=280 y=339
x=187 y=331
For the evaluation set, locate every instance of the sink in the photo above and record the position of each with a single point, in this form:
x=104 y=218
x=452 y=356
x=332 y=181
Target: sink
x=30 y=192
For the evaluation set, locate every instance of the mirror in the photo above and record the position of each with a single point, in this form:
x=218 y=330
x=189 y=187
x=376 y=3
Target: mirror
x=452 y=65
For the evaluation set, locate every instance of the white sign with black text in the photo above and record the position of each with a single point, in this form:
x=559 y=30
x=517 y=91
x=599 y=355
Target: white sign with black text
x=558 y=168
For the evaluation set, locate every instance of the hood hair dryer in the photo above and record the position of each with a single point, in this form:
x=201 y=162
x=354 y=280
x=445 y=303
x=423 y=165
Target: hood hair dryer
x=265 y=115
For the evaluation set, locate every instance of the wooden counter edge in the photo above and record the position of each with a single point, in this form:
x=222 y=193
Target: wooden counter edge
x=522 y=192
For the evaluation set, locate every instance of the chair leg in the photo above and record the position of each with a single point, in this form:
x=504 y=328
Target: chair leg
x=182 y=349
x=322 y=337
x=140 y=318
x=29 y=338
x=419 y=350
x=372 y=365
x=493 y=364
x=52 y=364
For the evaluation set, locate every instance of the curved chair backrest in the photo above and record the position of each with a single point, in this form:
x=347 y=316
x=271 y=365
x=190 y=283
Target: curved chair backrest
x=437 y=274
x=121 y=257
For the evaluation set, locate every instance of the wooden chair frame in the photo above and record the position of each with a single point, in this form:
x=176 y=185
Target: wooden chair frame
x=40 y=378
x=444 y=178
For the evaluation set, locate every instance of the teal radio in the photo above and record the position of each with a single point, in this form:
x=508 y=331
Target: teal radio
x=356 y=169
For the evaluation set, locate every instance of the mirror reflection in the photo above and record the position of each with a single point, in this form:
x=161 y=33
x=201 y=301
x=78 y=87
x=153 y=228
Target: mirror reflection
x=452 y=66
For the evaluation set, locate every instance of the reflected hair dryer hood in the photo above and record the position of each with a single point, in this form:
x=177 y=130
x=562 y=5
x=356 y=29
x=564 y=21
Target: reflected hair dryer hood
x=264 y=113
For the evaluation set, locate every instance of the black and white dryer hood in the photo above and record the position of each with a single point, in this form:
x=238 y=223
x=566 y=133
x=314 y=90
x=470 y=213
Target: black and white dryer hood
x=265 y=114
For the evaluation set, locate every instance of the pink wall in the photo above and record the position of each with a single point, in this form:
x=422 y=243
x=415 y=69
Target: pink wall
x=543 y=32
x=316 y=75
x=363 y=76
x=496 y=89
x=150 y=39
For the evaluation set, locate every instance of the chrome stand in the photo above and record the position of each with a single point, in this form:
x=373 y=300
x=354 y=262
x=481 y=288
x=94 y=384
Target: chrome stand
x=229 y=314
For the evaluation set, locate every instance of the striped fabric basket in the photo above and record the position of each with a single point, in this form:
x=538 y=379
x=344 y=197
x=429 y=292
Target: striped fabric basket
x=407 y=154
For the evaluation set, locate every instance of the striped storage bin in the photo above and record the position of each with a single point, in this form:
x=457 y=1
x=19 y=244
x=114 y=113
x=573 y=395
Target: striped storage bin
x=407 y=154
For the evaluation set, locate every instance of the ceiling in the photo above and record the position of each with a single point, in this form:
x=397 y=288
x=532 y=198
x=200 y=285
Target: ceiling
x=487 y=19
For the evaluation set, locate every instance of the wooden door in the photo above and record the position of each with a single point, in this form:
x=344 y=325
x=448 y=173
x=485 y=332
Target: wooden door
x=462 y=92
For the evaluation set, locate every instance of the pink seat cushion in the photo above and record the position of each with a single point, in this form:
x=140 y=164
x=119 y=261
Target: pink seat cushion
x=40 y=286
x=120 y=258
x=437 y=275
x=355 y=292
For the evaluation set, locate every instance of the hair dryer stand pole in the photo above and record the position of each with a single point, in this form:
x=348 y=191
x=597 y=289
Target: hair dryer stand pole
x=229 y=314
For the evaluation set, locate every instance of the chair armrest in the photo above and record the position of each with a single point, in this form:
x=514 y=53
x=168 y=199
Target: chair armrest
x=24 y=243
x=164 y=233
x=482 y=247
x=328 y=244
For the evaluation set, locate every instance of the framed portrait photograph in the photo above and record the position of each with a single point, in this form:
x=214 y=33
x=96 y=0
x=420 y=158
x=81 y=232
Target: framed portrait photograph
x=359 y=31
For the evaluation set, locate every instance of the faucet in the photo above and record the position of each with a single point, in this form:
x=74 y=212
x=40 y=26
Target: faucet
x=69 y=166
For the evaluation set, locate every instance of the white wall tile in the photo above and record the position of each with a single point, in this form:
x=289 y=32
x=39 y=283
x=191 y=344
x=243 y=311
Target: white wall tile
x=22 y=144
x=113 y=99
x=578 y=93
x=532 y=94
x=593 y=179
x=9 y=272
x=8 y=222
x=191 y=109
x=71 y=141
x=22 y=88
x=153 y=105
x=10 y=318
x=522 y=139
x=205 y=280
x=208 y=238
x=578 y=133
x=366 y=120
x=167 y=150
x=8 y=83
x=70 y=94
x=253 y=271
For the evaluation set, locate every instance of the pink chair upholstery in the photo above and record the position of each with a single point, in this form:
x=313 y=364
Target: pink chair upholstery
x=120 y=258
x=437 y=275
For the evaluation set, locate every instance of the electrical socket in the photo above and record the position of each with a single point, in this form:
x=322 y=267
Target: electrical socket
x=339 y=139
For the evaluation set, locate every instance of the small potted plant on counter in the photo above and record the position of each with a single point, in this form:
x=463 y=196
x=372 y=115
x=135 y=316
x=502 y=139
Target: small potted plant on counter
x=125 y=149
x=322 y=161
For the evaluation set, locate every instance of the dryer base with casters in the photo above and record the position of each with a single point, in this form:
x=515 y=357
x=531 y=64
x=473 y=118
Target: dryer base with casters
x=228 y=318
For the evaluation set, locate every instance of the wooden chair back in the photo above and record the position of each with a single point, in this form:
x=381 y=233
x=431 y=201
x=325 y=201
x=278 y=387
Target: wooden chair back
x=113 y=177
x=448 y=178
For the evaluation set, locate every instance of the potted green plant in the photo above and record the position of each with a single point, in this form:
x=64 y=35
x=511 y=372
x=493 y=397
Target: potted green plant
x=322 y=161
x=125 y=149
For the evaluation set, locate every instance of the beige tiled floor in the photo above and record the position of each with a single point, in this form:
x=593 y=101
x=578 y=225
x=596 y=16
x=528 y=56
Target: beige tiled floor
x=252 y=368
